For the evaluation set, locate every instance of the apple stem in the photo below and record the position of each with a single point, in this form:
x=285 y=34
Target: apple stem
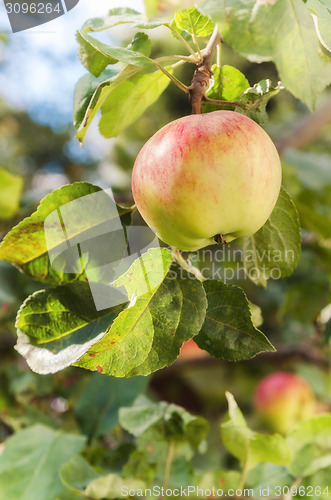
x=203 y=74
x=219 y=238
x=187 y=265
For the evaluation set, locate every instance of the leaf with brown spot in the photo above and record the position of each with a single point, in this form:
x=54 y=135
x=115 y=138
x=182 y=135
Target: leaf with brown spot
x=149 y=335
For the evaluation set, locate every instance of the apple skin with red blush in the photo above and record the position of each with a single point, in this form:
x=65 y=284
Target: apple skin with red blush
x=284 y=399
x=205 y=176
x=191 y=351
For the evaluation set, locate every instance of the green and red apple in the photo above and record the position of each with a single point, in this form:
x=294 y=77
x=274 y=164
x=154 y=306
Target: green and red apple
x=283 y=400
x=207 y=177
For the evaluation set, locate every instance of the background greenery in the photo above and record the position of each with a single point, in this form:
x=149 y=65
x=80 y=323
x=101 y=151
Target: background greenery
x=81 y=435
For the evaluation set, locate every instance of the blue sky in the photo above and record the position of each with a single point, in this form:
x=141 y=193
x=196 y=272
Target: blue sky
x=39 y=67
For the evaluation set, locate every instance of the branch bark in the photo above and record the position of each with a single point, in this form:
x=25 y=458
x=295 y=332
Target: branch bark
x=202 y=75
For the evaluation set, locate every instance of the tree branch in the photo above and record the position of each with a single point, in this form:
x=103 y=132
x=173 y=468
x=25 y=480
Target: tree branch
x=295 y=353
x=307 y=130
x=202 y=74
x=170 y=456
x=208 y=53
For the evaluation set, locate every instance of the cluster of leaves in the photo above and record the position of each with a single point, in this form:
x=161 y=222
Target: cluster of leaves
x=60 y=326
x=308 y=178
x=124 y=96
x=154 y=446
x=158 y=443
x=251 y=30
x=165 y=305
x=247 y=27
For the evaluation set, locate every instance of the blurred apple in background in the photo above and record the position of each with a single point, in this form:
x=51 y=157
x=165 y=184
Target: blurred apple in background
x=282 y=400
x=190 y=350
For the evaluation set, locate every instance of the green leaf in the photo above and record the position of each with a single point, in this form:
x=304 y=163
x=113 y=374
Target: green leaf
x=306 y=295
x=100 y=95
x=26 y=246
x=192 y=21
x=159 y=442
x=66 y=322
x=250 y=447
x=178 y=33
x=120 y=15
x=126 y=102
x=84 y=90
x=315 y=211
x=264 y=31
x=50 y=314
x=165 y=420
x=112 y=486
x=310 y=442
x=314 y=194
x=268 y=477
x=97 y=406
x=146 y=274
x=58 y=325
x=319 y=219
x=148 y=335
x=229 y=83
x=92 y=54
x=96 y=56
x=256 y=313
x=326 y=4
x=319 y=483
x=138 y=466
x=228 y=331
x=26 y=241
x=227 y=479
x=10 y=193
x=77 y=474
x=114 y=17
x=141 y=43
x=274 y=251
x=257 y=98
x=322 y=20
x=313 y=170
x=30 y=463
